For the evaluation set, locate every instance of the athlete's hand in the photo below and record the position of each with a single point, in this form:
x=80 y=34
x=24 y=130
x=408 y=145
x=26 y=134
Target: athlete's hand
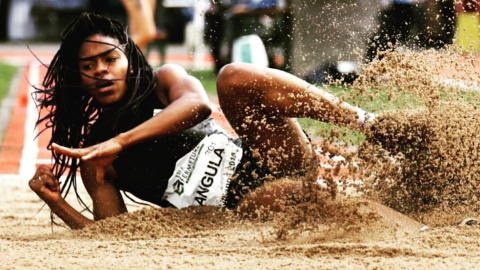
x=101 y=155
x=46 y=185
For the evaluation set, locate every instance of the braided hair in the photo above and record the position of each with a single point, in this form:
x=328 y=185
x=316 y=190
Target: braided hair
x=71 y=111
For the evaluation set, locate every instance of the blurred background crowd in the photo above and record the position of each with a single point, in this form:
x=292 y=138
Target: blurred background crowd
x=310 y=38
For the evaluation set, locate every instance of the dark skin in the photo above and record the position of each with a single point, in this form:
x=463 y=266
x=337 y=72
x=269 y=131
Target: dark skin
x=260 y=104
x=262 y=110
x=187 y=104
x=141 y=20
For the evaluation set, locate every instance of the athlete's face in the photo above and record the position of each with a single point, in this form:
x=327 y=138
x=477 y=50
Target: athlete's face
x=103 y=67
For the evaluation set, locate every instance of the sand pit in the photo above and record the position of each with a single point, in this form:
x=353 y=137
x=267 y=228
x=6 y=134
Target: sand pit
x=210 y=238
x=315 y=232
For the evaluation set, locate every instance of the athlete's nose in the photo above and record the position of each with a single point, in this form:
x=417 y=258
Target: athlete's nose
x=101 y=68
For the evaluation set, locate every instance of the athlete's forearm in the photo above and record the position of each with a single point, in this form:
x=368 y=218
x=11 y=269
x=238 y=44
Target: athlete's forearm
x=187 y=105
x=178 y=116
x=69 y=215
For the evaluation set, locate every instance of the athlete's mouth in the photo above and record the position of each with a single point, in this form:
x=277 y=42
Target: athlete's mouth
x=104 y=84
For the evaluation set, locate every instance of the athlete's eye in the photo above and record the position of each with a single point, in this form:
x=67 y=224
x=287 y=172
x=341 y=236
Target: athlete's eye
x=87 y=67
x=111 y=59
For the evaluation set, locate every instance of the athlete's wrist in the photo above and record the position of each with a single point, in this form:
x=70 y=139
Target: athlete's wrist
x=55 y=203
x=123 y=140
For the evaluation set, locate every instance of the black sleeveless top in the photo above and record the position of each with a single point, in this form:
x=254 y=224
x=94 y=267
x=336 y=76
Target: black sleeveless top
x=144 y=169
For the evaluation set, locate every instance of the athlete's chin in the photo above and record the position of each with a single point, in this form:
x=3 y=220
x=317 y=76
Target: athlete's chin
x=108 y=97
x=107 y=101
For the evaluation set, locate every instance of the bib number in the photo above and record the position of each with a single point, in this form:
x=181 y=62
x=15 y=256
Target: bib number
x=202 y=176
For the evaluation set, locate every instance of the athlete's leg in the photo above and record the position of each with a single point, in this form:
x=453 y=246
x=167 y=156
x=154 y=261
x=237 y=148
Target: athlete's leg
x=261 y=105
x=141 y=21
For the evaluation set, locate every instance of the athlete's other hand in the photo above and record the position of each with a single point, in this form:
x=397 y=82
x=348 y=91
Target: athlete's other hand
x=101 y=155
x=45 y=185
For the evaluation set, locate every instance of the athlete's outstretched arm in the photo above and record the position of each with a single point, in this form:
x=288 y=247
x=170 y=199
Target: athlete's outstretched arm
x=107 y=200
x=47 y=187
x=187 y=104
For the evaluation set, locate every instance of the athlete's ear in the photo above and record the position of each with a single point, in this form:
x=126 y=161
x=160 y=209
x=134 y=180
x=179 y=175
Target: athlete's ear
x=131 y=69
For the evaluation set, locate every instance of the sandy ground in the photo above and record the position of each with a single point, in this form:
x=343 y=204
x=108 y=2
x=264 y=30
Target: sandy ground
x=344 y=234
x=206 y=238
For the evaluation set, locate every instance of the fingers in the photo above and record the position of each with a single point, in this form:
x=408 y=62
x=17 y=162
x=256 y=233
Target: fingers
x=75 y=152
x=42 y=171
x=90 y=156
x=83 y=153
x=44 y=181
x=46 y=185
x=100 y=158
x=51 y=183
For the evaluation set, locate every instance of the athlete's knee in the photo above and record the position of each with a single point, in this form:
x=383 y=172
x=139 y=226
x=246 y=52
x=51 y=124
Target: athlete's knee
x=235 y=76
x=227 y=79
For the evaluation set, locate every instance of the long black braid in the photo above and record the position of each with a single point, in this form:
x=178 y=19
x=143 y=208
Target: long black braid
x=71 y=110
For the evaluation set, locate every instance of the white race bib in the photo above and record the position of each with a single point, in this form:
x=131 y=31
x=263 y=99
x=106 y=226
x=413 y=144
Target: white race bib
x=202 y=176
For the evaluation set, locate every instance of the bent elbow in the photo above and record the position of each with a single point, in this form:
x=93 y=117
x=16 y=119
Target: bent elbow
x=204 y=110
x=231 y=75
